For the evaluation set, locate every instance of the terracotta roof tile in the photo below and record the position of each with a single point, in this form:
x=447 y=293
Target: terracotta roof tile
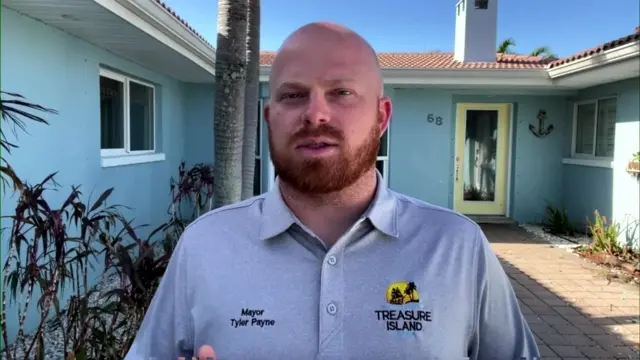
x=434 y=60
x=598 y=49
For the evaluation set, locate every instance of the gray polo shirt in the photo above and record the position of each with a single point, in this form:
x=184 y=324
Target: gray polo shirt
x=408 y=280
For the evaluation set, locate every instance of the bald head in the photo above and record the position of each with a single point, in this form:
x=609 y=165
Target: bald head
x=324 y=40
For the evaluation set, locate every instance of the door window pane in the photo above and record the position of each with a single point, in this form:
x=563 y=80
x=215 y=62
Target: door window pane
x=479 y=159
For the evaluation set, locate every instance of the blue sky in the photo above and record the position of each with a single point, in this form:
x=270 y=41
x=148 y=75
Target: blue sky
x=567 y=26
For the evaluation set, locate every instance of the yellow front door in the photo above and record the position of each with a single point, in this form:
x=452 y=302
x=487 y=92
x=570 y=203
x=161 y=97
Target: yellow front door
x=481 y=159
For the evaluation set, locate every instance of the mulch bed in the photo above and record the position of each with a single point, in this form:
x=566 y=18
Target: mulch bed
x=626 y=264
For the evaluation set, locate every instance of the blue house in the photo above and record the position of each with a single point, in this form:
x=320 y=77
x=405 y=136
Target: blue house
x=495 y=136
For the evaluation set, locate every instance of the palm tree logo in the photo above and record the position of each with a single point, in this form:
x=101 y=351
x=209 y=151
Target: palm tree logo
x=402 y=292
x=397 y=297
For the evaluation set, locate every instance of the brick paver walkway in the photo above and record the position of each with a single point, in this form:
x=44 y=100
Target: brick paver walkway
x=573 y=310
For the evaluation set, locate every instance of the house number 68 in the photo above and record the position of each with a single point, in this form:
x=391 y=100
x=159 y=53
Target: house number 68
x=437 y=119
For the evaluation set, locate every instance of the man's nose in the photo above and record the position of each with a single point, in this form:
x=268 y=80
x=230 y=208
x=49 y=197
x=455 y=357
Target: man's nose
x=317 y=111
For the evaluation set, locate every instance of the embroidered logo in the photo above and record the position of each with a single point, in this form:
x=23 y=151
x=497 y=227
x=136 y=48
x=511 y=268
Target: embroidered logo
x=404 y=312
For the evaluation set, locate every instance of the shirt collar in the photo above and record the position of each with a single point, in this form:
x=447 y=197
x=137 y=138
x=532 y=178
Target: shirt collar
x=383 y=211
x=277 y=218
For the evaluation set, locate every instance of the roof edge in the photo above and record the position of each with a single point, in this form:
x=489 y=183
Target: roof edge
x=156 y=20
x=620 y=53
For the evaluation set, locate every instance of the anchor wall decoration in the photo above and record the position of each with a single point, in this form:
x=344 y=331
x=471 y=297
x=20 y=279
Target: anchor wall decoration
x=541 y=131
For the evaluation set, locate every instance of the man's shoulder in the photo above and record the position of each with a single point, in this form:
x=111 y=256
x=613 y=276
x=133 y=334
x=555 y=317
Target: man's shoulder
x=431 y=226
x=229 y=218
x=422 y=212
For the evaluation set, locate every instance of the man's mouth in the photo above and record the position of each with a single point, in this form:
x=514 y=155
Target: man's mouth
x=316 y=144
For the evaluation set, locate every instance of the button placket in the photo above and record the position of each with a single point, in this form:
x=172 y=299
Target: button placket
x=332 y=297
x=332 y=308
x=331 y=303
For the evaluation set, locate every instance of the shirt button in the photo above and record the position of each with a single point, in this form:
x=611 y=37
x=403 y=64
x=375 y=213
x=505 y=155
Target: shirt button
x=332 y=260
x=332 y=309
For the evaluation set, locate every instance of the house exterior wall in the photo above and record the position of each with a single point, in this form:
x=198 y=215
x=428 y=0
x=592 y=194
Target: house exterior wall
x=605 y=185
x=421 y=154
x=199 y=137
x=56 y=70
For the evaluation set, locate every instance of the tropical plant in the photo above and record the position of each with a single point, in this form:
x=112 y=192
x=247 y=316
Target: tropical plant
x=13 y=110
x=544 y=52
x=52 y=249
x=604 y=235
x=505 y=46
x=557 y=221
x=193 y=188
x=251 y=108
x=45 y=256
x=56 y=257
x=230 y=77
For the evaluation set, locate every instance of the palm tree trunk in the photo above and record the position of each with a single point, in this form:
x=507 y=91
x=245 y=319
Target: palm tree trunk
x=229 y=100
x=252 y=89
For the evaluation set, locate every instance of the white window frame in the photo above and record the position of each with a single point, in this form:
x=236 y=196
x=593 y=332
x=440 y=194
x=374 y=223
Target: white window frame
x=124 y=156
x=385 y=159
x=588 y=159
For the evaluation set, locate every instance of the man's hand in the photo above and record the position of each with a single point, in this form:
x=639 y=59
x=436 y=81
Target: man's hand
x=204 y=353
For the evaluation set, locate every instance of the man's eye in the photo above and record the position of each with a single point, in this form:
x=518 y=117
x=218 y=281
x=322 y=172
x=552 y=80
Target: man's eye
x=290 y=96
x=343 y=92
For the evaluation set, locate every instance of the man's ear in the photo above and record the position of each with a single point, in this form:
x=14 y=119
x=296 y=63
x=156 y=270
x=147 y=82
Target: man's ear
x=385 y=108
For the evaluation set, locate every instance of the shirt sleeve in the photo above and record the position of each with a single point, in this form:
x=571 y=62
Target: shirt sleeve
x=501 y=331
x=166 y=331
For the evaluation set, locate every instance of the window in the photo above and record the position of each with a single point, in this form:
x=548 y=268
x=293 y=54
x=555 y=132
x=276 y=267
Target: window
x=482 y=4
x=382 y=162
x=257 y=175
x=594 y=128
x=127 y=116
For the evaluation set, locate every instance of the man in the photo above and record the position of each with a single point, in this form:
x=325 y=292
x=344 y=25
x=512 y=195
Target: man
x=331 y=264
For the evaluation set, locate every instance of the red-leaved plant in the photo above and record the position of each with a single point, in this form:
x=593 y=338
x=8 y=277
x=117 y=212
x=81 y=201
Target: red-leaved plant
x=52 y=247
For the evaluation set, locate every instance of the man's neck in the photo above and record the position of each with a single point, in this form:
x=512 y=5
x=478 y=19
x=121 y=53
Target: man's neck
x=329 y=216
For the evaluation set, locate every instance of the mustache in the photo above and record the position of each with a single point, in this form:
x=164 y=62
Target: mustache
x=325 y=130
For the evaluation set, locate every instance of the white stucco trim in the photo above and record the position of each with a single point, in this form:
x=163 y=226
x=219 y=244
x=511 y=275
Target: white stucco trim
x=122 y=160
x=624 y=52
x=153 y=19
x=603 y=163
x=511 y=78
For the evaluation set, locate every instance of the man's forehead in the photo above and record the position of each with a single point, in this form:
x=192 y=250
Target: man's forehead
x=326 y=69
x=324 y=53
x=306 y=67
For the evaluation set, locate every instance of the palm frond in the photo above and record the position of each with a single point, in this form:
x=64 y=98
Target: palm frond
x=13 y=111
